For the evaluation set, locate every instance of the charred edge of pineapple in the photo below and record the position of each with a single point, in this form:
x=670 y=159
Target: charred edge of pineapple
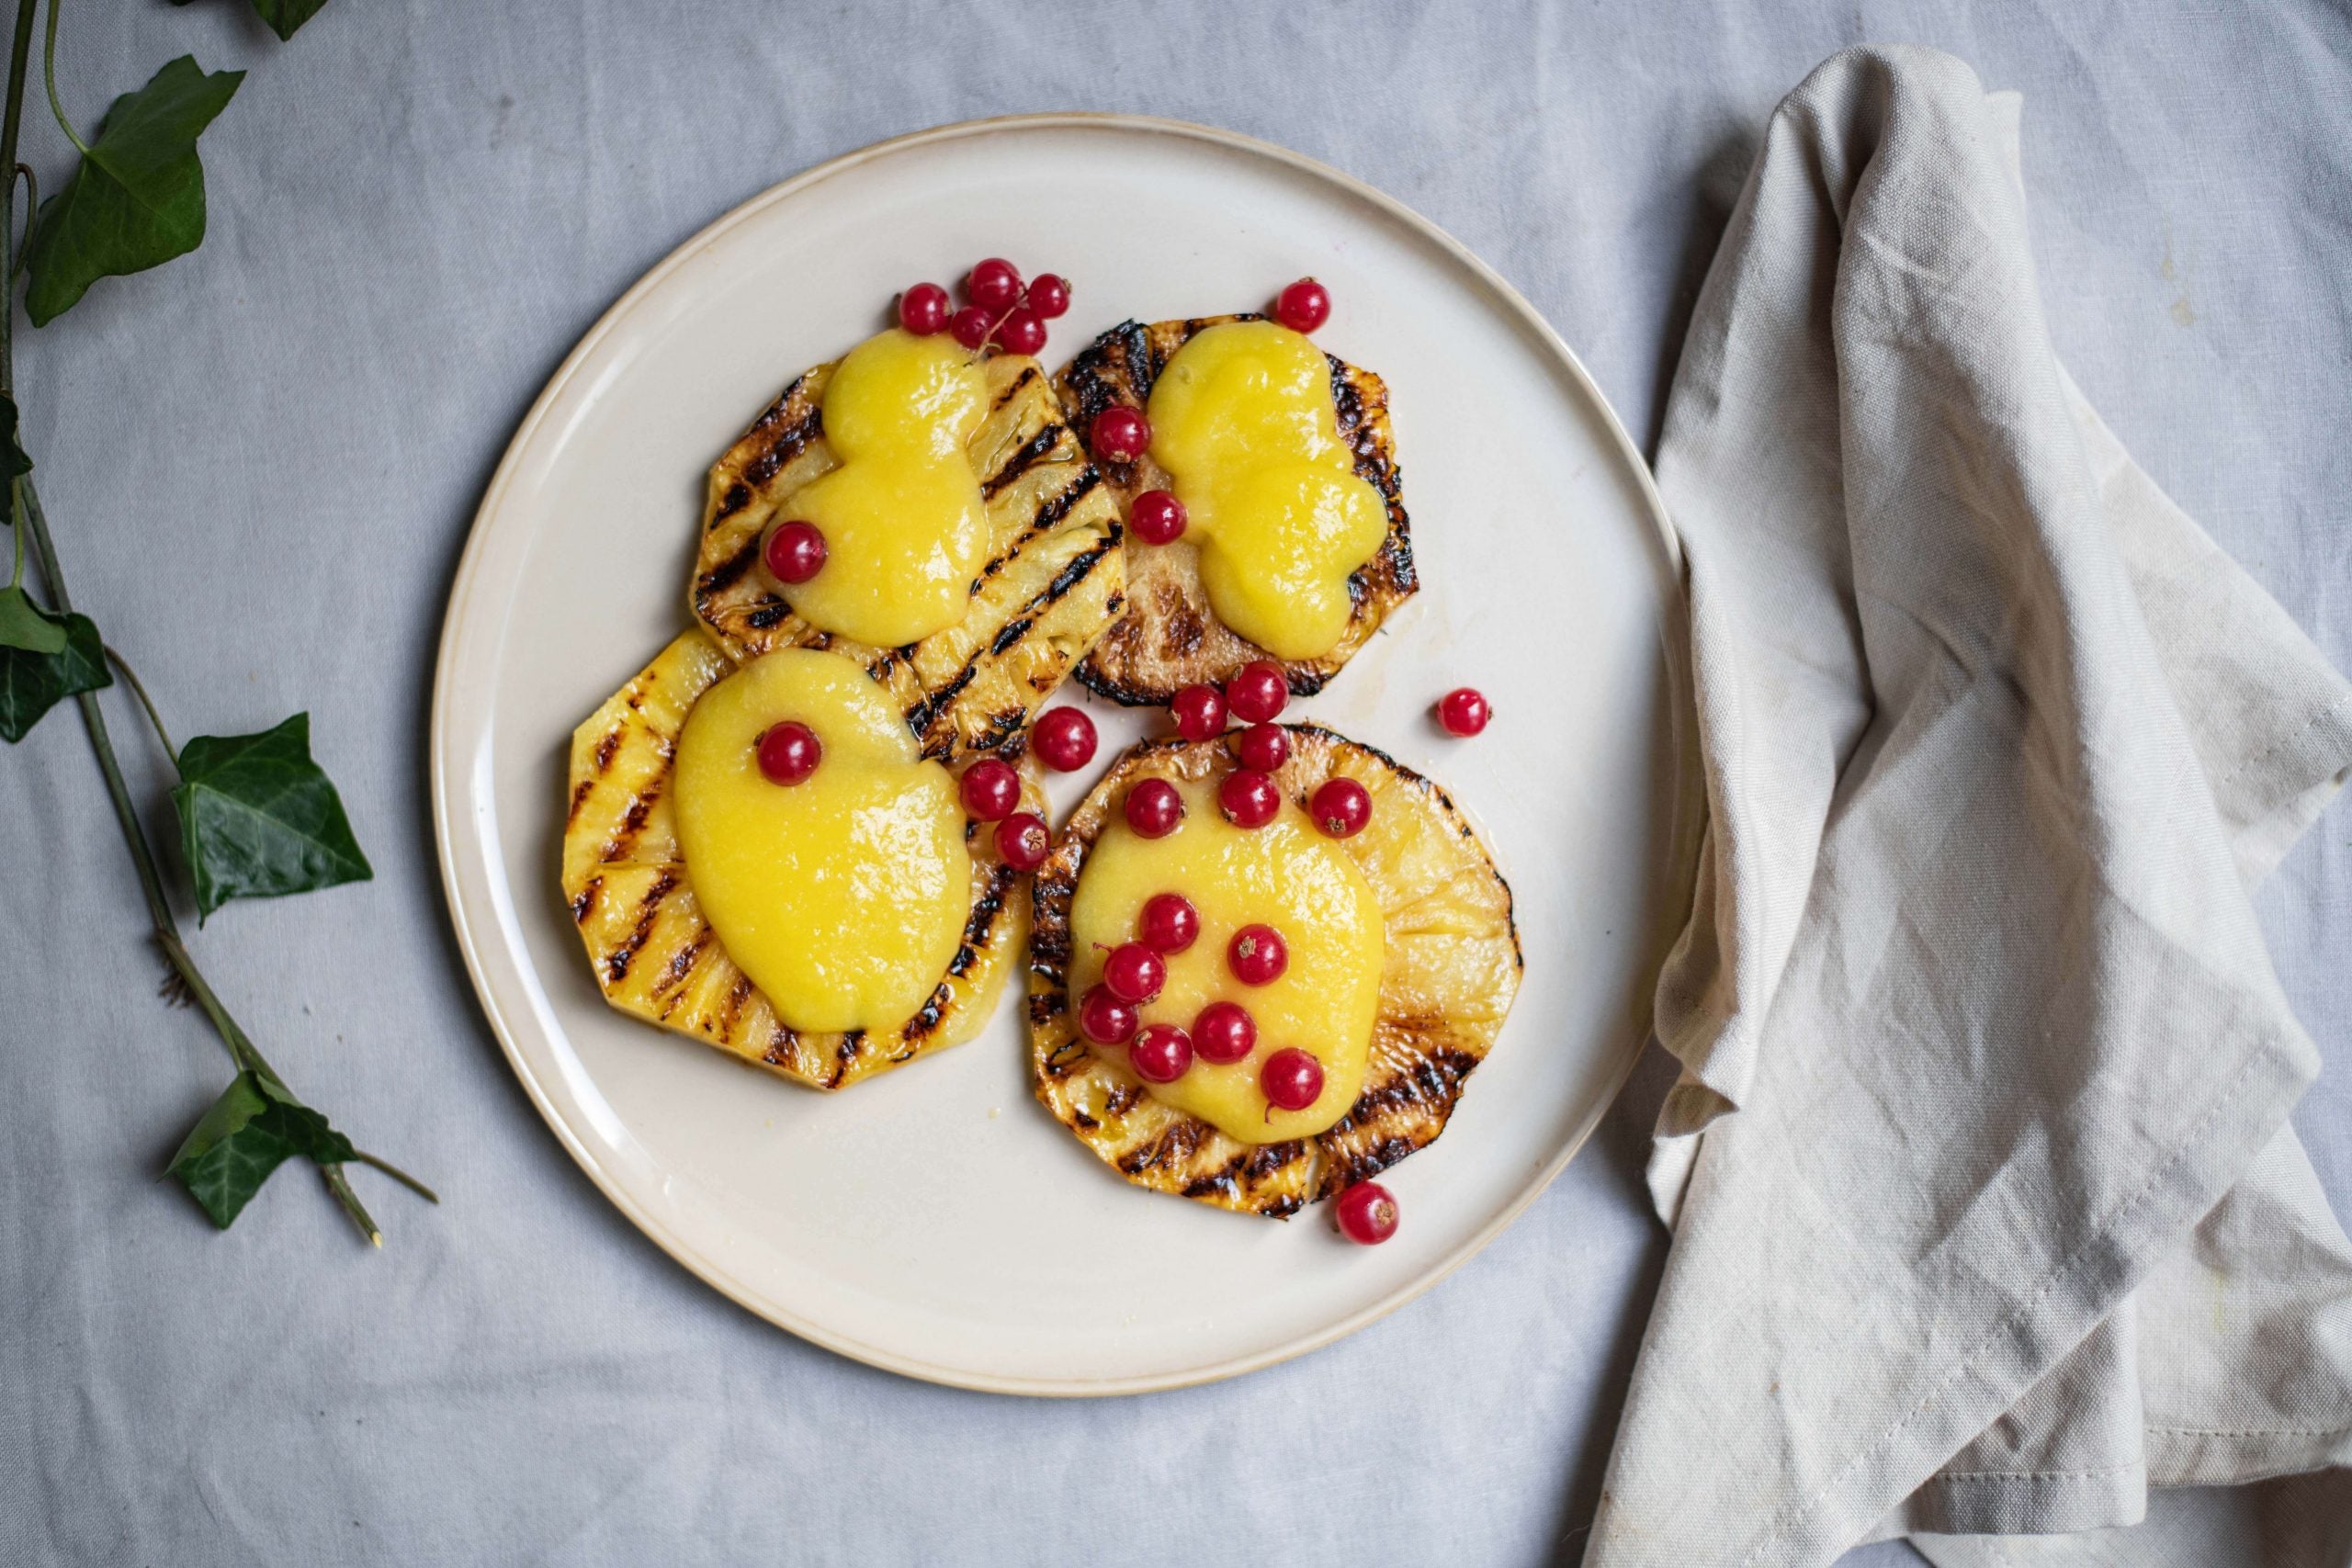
x=1340 y=1157
x=1123 y=366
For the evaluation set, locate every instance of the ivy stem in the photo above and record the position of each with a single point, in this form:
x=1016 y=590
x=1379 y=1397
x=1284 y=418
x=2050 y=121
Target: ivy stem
x=48 y=74
x=18 y=56
x=396 y=1174
x=140 y=689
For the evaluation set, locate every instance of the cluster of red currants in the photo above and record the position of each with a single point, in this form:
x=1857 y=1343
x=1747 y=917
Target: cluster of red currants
x=1248 y=797
x=1000 y=308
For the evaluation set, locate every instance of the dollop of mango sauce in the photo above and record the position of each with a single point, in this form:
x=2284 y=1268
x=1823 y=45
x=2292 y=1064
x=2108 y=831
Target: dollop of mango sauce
x=843 y=896
x=1242 y=418
x=906 y=527
x=1284 y=875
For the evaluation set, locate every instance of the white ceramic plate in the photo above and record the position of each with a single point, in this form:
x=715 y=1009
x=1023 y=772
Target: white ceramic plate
x=936 y=1221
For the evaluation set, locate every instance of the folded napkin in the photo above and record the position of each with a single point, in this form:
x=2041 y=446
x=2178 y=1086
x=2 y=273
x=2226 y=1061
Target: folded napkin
x=1988 y=1215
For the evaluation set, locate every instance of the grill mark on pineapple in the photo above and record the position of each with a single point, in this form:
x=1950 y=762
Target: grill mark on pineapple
x=1025 y=457
x=784 y=1044
x=649 y=909
x=733 y=499
x=605 y=749
x=730 y=1010
x=728 y=572
x=1048 y=517
x=584 y=904
x=920 y=716
x=788 y=444
x=1014 y=387
x=680 y=965
x=579 y=793
x=633 y=821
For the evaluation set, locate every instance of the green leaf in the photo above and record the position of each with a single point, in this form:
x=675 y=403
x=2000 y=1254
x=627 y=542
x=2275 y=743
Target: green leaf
x=31 y=683
x=256 y=1126
x=13 y=460
x=258 y=818
x=284 y=17
x=137 y=198
x=25 y=625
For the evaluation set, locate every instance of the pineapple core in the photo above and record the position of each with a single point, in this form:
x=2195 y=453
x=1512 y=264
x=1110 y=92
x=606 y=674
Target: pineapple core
x=1284 y=875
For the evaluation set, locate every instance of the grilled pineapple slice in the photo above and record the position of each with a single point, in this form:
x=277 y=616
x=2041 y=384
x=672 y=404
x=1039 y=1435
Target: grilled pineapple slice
x=656 y=957
x=1051 y=587
x=1452 y=966
x=1169 y=637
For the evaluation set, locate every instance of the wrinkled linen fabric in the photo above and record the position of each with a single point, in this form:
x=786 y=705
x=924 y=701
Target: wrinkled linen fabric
x=1988 y=1215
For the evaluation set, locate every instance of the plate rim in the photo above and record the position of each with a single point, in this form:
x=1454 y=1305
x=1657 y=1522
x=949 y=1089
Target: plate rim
x=1685 y=817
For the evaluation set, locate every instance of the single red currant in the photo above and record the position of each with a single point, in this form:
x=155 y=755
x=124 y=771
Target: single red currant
x=1154 y=808
x=993 y=285
x=1340 y=807
x=1023 y=331
x=1104 y=1019
x=1048 y=294
x=1134 y=973
x=1291 y=1080
x=1463 y=711
x=1264 y=747
x=1224 y=1033
x=1199 y=711
x=991 y=790
x=795 y=551
x=1366 y=1213
x=969 y=326
x=1249 y=798
x=1160 y=1053
x=1023 y=841
x=1119 y=434
x=789 y=752
x=1157 y=517
x=1257 y=955
x=923 y=310
x=1170 y=923
x=1303 y=306
x=1064 y=738
x=1257 y=691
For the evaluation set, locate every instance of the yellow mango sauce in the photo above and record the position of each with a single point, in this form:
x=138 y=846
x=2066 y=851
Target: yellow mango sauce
x=906 y=528
x=1242 y=419
x=1284 y=875
x=843 y=896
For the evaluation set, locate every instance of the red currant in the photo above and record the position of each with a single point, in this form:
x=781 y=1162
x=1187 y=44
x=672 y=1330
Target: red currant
x=1170 y=923
x=1022 y=841
x=789 y=752
x=1104 y=1019
x=1264 y=747
x=1257 y=691
x=993 y=285
x=1134 y=973
x=1340 y=807
x=1249 y=798
x=1224 y=1033
x=1199 y=711
x=1366 y=1213
x=1023 y=331
x=1064 y=738
x=1120 y=433
x=1154 y=808
x=795 y=551
x=923 y=310
x=969 y=326
x=1048 y=294
x=1292 y=1079
x=1160 y=1053
x=1303 y=306
x=1463 y=711
x=1257 y=955
x=1157 y=517
x=991 y=790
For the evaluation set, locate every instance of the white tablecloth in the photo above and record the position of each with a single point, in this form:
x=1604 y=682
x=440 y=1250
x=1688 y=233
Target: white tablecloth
x=261 y=462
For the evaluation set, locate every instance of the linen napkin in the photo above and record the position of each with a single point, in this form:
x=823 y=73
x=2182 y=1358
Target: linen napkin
x=1988 y=1215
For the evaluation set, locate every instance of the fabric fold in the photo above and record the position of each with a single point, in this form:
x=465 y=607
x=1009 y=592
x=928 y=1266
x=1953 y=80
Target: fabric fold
x=1975 y=1021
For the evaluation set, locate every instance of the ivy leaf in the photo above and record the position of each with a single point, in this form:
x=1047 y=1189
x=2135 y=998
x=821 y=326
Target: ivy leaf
x=284 y=17
x=13 y=460
x=137 y=198
x=25 y=627
x=256 y=1126
x=258 y=818
x=32 y=682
